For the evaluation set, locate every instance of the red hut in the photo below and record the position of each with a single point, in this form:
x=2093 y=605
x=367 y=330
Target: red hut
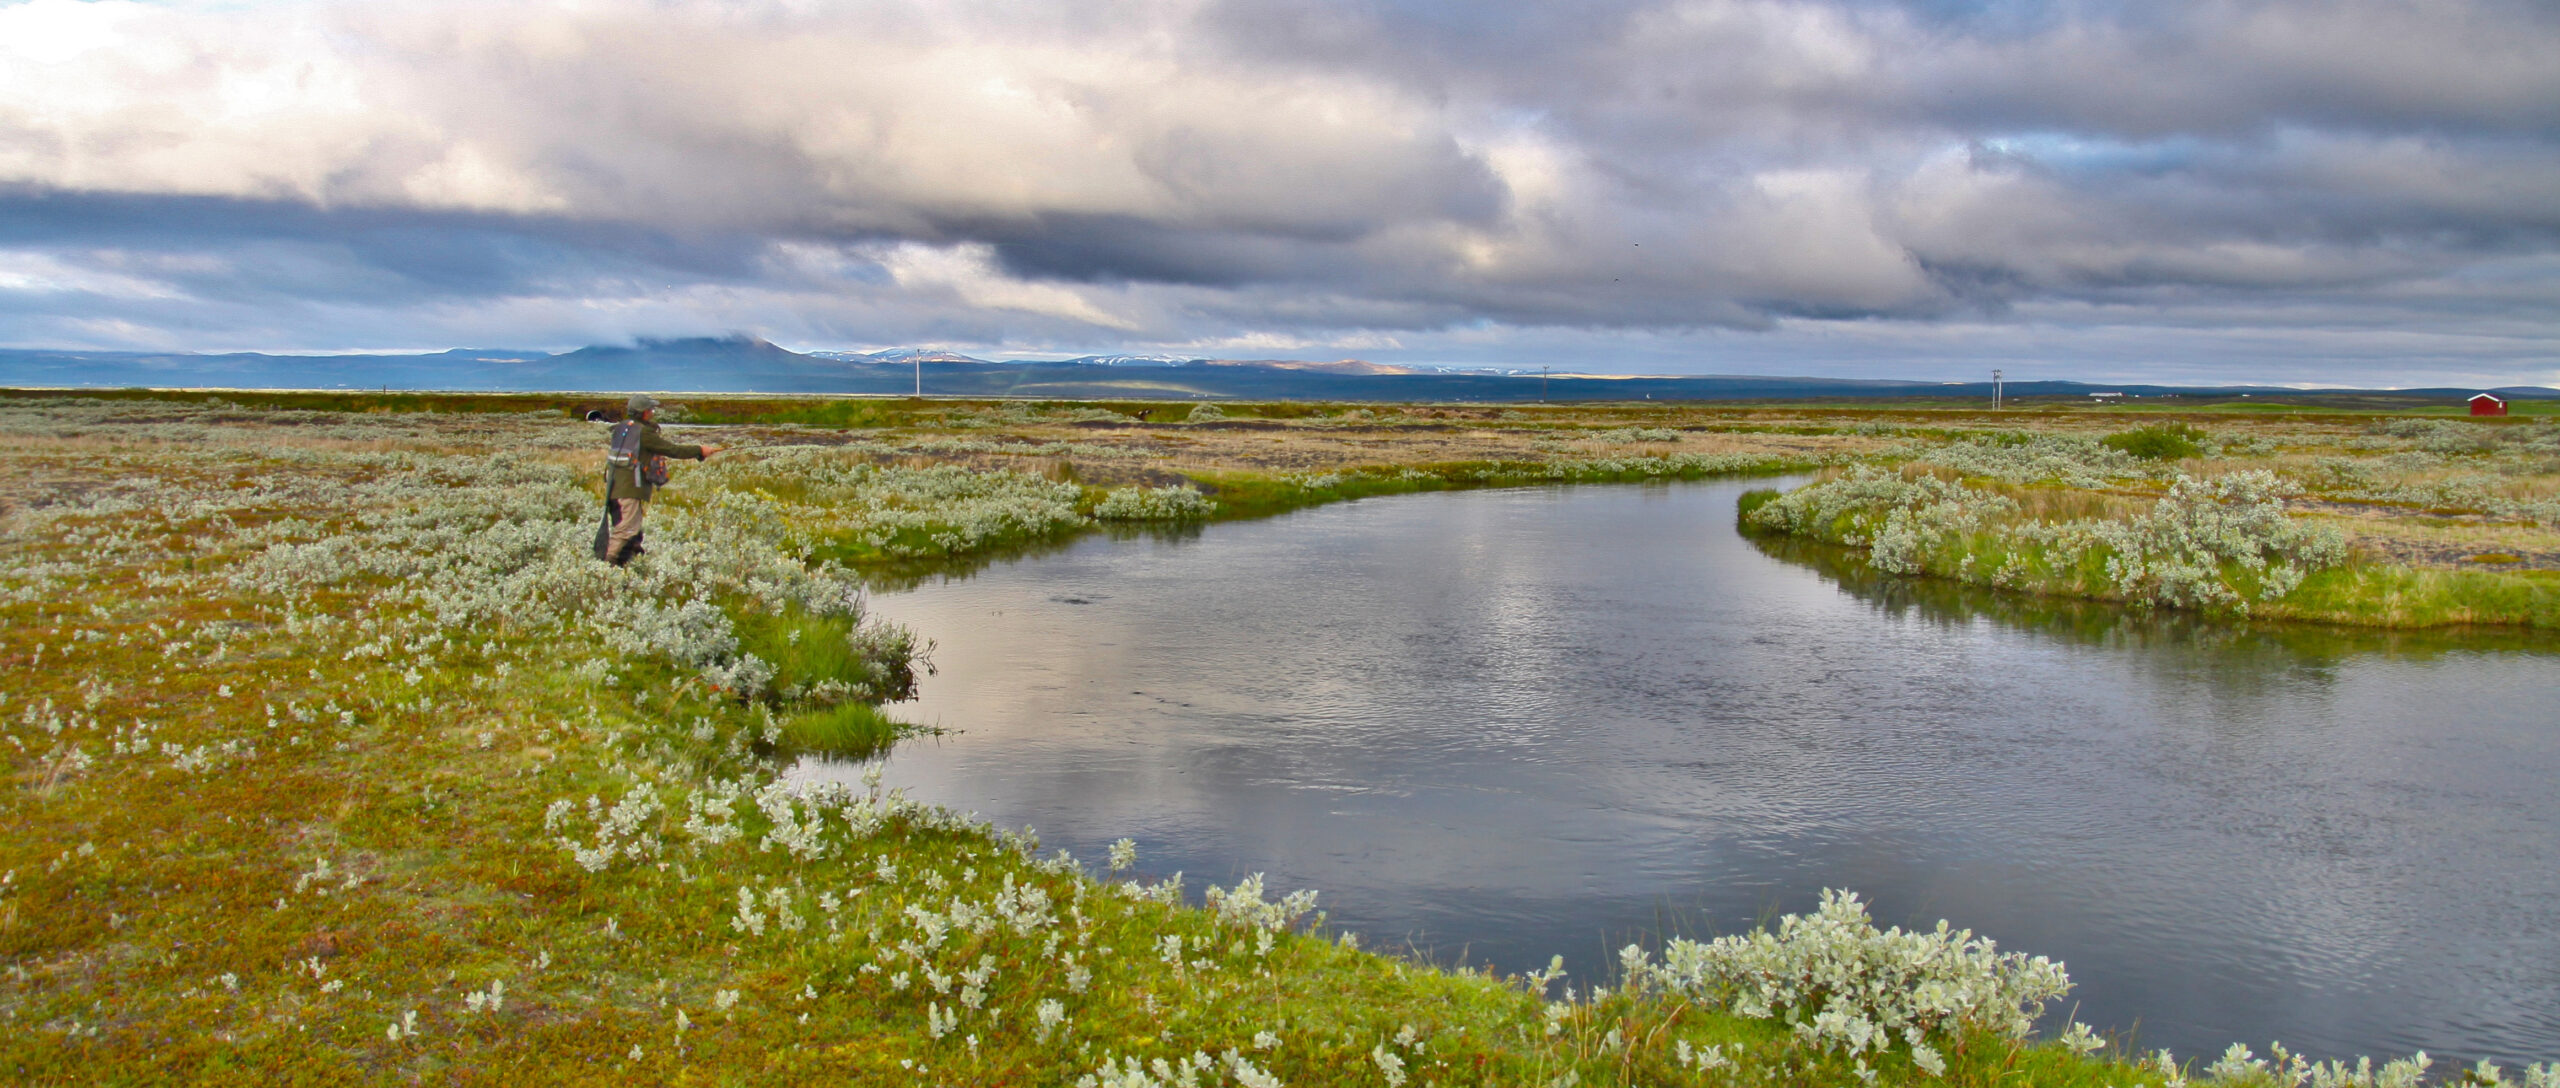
x=2482 y=404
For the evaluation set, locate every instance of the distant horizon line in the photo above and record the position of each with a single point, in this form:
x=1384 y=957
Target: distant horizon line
x=1012 y=358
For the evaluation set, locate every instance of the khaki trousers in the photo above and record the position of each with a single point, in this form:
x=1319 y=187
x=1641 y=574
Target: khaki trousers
x=625 y=528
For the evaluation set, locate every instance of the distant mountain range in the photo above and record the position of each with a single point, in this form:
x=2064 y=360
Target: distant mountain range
x=905 y=356
x=745 y=364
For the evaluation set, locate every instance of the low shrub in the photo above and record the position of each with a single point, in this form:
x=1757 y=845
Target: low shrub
x=2212 y=542
x=1635 y=434
x=829 y=659
x=1843 y=985
x=1172 y=503
x=2027 y=457
x=1898 y=518
x=2159 y=442
x=2224 y=543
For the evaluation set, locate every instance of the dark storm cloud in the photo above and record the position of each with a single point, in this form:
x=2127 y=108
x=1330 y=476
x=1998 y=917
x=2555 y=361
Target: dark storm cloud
x=237 y=250
x=1248 y=170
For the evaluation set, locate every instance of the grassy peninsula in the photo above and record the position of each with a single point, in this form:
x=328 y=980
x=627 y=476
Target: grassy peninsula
x=2402 y=523
x=335 y=758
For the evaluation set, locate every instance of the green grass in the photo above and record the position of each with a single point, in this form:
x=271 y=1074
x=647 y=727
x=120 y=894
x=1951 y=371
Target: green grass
x=829 y=678
x=803 y=649
x=2388 y=596
x=2160 y=441
x=842 y=731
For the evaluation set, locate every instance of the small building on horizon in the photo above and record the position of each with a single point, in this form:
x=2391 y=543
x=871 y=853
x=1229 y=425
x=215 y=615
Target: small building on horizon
x=2485 y=404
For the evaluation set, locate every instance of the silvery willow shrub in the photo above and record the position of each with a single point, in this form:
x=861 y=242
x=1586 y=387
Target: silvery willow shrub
x=1897 y=517
x=1635 y=434
x=885 y=656
x=1243 y=905
x=473 y=541
x=2177 y=553
x=2223 y=542
x=2238 y=1067
x=1648 y=467
x=1841 y=984
x=1205 y=413
x=2448 y=436
x=2036 y=458
x=2368 y=480
x=801 y=499
x=2240 y=445
x=1153 y=504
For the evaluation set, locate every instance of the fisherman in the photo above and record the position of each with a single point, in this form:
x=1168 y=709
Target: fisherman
x=634 y=470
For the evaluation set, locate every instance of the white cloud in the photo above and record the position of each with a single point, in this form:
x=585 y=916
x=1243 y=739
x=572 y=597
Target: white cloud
x=145 y=98
x=1176 y=171
x=970 y=272
x=47 y=274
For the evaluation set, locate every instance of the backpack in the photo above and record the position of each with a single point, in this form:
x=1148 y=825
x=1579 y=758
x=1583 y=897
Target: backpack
x=624 y=455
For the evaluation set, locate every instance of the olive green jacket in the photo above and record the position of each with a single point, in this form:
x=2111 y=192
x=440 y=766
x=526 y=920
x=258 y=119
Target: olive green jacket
x=626 y=484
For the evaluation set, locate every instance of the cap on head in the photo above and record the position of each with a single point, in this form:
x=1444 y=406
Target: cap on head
x=640 y=402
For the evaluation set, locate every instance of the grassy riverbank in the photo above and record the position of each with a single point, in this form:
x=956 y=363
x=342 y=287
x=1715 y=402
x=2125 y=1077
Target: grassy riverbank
x=2407 y=524
x=333 y=757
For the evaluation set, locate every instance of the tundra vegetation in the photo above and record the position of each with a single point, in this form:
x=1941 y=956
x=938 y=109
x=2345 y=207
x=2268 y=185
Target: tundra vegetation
x=2383 y=522
x=333 y=755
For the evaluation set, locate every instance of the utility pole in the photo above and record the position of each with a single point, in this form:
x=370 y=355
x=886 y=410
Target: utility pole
x=919 y=361
x=1995 y=390
x=1542 y=385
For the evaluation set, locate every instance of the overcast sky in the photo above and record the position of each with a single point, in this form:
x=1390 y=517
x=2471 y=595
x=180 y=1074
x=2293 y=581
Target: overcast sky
x=2303 y=191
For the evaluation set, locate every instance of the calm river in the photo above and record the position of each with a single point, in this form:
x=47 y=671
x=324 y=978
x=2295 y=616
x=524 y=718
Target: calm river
x=1493 y=726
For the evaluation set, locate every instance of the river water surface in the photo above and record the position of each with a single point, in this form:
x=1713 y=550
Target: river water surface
x=1493 y=726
